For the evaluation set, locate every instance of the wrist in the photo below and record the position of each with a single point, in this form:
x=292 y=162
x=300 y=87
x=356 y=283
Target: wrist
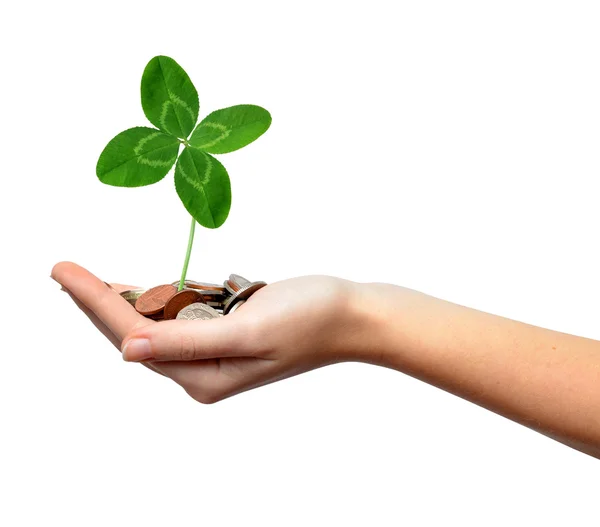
x=368 y=324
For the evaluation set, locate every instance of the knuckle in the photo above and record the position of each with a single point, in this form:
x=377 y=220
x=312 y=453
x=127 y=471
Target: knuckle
x=142 y=323
x=138 y=330
x=251 y=337
x=187 y=349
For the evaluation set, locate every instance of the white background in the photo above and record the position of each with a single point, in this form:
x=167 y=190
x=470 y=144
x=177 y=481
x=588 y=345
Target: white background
x=450 y=147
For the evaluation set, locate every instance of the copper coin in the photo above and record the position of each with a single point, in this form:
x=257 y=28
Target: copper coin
x=154 y=300
x=213 y=298
x=212 y=294
x=230 y=287
x=182 y=299
x=203 y=286
x=206 y=286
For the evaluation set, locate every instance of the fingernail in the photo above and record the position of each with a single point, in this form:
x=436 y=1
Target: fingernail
x=137 y=350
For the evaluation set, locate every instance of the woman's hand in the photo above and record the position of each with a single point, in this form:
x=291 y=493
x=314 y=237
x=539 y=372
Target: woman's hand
x=543 y=379
x=283 y=329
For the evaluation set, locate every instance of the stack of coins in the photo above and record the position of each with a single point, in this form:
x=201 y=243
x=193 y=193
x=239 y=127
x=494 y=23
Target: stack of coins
x=196 y=301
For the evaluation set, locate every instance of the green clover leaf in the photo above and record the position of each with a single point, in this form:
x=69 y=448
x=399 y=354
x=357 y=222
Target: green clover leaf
x=203 y=186
x=142 y=156
x=230 y=128
x=169 y=99
x=137 y=157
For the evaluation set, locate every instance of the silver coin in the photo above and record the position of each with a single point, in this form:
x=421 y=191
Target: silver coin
x=236 y=307
x=212 y=294
x=243 y=294
x=213 y=297
x=197 y=311
x=238 y=282
x=131 y=295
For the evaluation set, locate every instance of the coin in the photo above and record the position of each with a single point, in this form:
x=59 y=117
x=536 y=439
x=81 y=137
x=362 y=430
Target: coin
x=236 y=306
x=205 y=300
x=203 y=286
x=181 y=299
x=229 y=287
x=213 y=298
x=153 y=301
x=131 y=295
x=242 y=294
x=197 y=311
x=237 y=282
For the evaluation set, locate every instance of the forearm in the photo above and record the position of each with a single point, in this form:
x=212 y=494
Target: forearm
x=543 y=379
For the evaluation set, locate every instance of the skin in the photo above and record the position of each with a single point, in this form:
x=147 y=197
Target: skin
x=543 y=379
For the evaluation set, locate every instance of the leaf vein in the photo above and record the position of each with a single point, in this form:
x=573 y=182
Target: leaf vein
x=226 y=131
x=137 y=156
x=173 y=100
x=199 y=183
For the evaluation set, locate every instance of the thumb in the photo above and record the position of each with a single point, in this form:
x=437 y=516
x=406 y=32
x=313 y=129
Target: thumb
x=186 y=340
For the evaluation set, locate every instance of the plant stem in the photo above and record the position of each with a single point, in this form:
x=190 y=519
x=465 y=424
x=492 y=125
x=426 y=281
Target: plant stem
x=187 y=255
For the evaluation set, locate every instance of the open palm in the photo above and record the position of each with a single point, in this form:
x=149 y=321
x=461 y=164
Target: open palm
x=284 y=329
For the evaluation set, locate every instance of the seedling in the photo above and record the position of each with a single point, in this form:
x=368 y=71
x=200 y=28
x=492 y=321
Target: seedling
x=142 y=156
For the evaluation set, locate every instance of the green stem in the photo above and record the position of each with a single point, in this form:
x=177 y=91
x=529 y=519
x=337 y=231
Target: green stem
x=187 y=254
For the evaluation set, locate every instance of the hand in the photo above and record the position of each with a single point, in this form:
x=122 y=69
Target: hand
x=284 y=329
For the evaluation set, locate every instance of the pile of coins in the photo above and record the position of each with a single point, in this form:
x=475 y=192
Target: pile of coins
x=196 y=301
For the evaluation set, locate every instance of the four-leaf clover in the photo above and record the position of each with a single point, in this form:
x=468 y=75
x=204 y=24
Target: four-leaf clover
x=142 y=156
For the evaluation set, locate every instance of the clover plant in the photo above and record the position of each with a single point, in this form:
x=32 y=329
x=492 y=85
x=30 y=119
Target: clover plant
x=141 y=156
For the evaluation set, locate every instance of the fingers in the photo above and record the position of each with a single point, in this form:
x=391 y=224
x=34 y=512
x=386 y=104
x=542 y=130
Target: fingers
x=115 y=312
x=102 y=327
x=95 y=320
x=188 y=340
